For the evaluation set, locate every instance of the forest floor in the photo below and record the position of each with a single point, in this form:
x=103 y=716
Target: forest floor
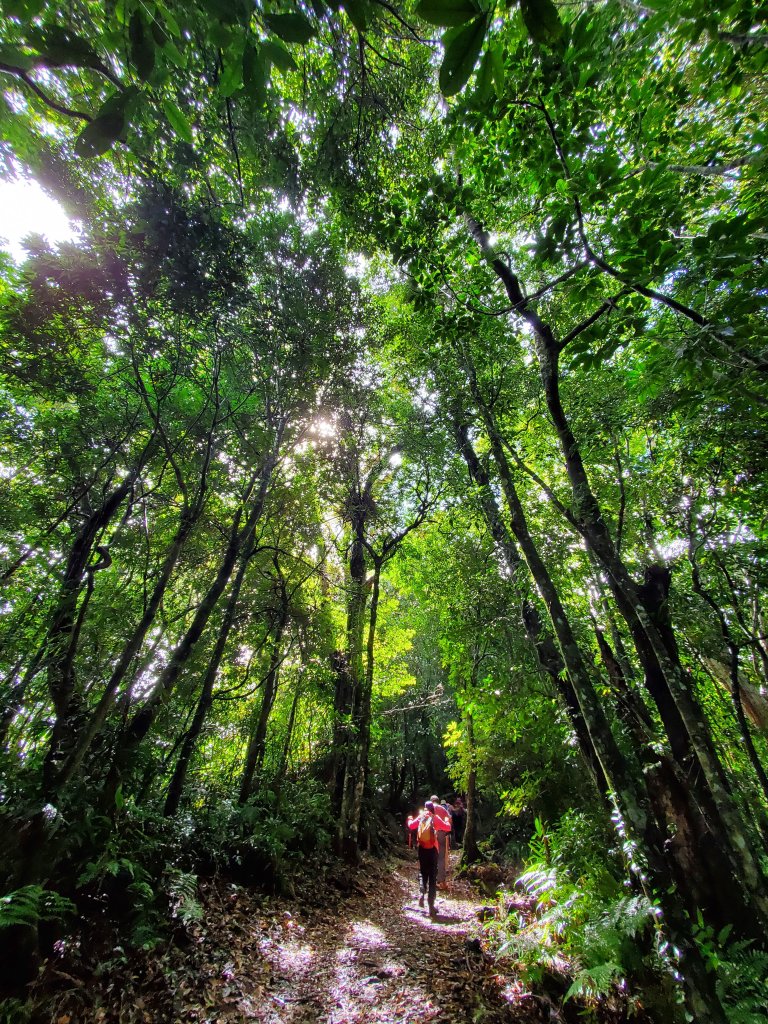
x=350 y=949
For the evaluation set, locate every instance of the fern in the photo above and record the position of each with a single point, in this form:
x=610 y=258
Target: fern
x=630 y=914
x=15 y=1011
x=594 y=981
x=540 y=881
x=742 y=983
x=31 y=904
x=185 y=905
x=586 y=925
x=608 y=933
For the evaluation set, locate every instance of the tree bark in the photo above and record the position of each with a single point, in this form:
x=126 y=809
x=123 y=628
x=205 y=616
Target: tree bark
x=470 y=854
x=254 y=758
x=188 y=519
x=283 y=766
x=548 y=656
x=61 y=641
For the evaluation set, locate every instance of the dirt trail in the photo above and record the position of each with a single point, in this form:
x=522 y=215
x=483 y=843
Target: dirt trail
x=383 y=960
x=354 y=948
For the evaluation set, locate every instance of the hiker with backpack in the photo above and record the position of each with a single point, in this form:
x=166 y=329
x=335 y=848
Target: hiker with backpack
x=443 y=842
x=427 y=826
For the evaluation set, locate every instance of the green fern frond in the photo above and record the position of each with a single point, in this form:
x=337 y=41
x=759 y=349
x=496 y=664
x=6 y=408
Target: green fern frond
x=594 y=981
x=539 y=881
x=182 y=890
x=31 y=904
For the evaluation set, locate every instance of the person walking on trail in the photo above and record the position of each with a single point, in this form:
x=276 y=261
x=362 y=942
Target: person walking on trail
x=459 y=820
x=443 y=842
x=428 y=826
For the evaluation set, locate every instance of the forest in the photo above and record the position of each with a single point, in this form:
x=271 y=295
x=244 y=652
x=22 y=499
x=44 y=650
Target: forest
x=395 y=424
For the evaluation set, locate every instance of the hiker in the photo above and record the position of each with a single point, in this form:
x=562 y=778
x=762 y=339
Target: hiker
x=428 y=826
x=459 y=820
x=448 y=807
x=443 y=842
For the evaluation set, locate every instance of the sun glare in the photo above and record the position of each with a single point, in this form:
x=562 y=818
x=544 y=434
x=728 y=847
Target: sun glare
x=25 y=210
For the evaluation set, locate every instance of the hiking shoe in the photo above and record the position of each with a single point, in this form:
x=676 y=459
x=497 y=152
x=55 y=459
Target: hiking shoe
x=432 y=910
x=421 y=900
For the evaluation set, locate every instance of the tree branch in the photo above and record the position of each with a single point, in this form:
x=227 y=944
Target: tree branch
x=58 y=107
x=606 y=307
x=553 y=499
x=649 y=293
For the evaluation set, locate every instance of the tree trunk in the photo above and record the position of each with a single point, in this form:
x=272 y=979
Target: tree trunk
x=205 y=700
x=548 y=656
x=735 y=683
x=61 y=642
x=283 y=766
x=257 y=742
x=649 y=624
x=99 y=715
x=470 y=854
x=753 y=700
x=625 y=779
x=342 y=723
x=358 y=781
x=360 y=506
x=142 y=721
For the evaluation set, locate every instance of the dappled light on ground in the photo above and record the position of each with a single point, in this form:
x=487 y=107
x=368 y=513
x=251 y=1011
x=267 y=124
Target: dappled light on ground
x=393 y=964
x=358 y=951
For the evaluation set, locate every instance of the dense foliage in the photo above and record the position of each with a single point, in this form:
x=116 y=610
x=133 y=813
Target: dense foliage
x=398 y=422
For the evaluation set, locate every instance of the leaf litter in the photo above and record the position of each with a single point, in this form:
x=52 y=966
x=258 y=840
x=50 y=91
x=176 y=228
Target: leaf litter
x=343 y=949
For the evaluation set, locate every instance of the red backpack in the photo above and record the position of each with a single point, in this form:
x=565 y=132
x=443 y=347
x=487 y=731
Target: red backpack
x=425 y=835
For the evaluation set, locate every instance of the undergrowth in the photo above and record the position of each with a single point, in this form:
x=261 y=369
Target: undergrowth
x=590 y=937
x=144 y=881
x=597 y=939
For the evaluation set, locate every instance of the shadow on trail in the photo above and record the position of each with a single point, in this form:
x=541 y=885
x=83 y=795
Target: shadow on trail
x=417 y=913
x=445 y=919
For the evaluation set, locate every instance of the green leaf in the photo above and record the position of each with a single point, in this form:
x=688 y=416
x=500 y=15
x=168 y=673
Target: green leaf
x=174 y=54
x=16 y=58
x=99 y=136
x=221 y=35
x=232 y=76
x=63 y=48
x=484 y=82
x=447 y=12
x=23 y=9
x=255 y=73
x=275 y=53
x=108 y=125
x=158 y=32
x=177 y=120
x=142 y=46
x=293 y=28
x=120 y=102
x=357 y=11
x=170 y=22
x=230 y=12
x=462 y=49
x=542 y=21
x=497 y=69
